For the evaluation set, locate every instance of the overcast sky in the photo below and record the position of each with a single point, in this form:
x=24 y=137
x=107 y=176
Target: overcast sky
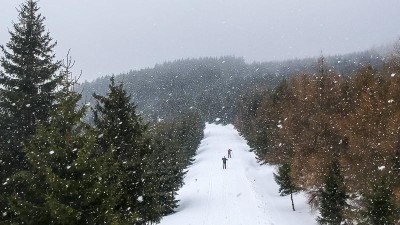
x=114 y=36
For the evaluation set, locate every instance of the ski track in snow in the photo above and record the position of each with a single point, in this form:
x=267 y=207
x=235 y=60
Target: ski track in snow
x=243 y=194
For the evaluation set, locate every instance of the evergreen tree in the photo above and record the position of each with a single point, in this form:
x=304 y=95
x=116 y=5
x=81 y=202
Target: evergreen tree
x=164 y=176
x=28 y=84
x=379 y=204
x=123 y=148
x=173 y=145
x=332 y=196
x=55 y=190
x=285 y=182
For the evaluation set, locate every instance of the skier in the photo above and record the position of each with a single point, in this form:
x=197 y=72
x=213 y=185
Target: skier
x=224 y=162
x=229 y=153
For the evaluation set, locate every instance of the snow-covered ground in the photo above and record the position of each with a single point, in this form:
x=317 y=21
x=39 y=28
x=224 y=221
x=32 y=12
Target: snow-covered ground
x=245 y=193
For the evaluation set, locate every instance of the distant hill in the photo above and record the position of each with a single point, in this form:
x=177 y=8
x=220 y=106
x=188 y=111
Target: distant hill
x=212 y=85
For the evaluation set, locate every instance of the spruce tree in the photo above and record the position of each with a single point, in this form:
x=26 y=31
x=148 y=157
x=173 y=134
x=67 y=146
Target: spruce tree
x=173 y=144
x=28 y=84
x=332 y=196
x=57 y=187
x=380 y=206
x=123 y=148
x=285 y=182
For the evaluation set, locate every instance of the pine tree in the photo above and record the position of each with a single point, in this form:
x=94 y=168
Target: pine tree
x=285 y=182
x=380 y=205
x=332 y=196
x=28 y=84
x=56 y=188
x=123 y=146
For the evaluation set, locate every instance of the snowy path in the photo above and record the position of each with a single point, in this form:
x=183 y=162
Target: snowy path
x=245 y=193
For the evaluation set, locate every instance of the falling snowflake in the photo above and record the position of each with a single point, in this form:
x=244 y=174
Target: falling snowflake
x=393 y=74
x=280 y=125
x=140 y=198
x=391 y=101
x=68 y=167
x=381 y=167
x=100 y=136
x=28 y=105
x=51 y=152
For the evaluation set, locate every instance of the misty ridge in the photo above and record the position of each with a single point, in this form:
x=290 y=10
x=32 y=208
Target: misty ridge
x=212 y=86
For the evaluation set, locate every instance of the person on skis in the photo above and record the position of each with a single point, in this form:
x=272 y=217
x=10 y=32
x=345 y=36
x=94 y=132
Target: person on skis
x=224 y=162
x=229 y=153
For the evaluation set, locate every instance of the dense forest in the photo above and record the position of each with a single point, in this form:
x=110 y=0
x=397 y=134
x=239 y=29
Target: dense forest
x=335 y=136
x=212 y=86
x=55 y=168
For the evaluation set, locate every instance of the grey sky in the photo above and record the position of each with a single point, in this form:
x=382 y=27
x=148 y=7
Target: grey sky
x=114 y=36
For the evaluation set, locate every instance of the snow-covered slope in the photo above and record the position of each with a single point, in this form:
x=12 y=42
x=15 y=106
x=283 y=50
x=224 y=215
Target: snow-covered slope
x=245 y=193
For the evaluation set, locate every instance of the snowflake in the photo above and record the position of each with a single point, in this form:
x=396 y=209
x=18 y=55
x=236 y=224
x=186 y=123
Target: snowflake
x=51 y=152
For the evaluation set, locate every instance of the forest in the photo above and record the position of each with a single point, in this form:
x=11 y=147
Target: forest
x=94 y=153
x=334 y=136
x=212 y=86
x=58 y=168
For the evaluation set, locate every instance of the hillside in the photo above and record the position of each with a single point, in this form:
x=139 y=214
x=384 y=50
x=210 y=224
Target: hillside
x=212 y=86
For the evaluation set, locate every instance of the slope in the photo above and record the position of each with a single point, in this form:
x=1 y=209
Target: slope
x=245 y=193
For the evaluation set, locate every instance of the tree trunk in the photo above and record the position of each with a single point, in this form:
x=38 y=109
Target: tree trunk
x=291 y=198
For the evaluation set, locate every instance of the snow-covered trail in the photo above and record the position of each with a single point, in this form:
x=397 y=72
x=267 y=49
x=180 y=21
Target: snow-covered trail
x=245 y=193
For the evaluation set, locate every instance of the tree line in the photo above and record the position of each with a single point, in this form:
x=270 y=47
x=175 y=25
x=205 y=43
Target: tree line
x=335 y=136
x=211 y=86
x=56 y=168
